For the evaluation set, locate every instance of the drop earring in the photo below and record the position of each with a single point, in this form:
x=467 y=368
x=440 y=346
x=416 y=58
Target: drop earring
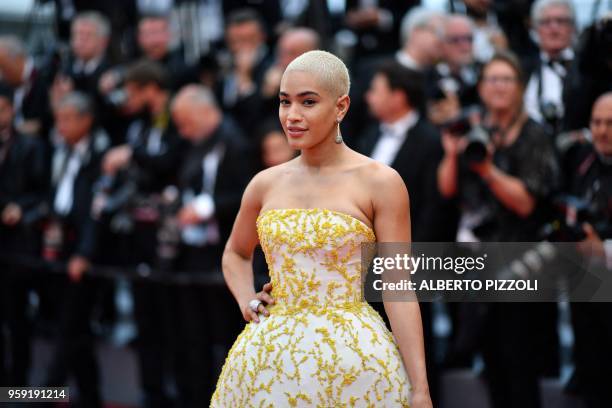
x=338 y=135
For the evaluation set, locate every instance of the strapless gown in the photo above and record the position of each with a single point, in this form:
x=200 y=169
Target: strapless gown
x=322 y=345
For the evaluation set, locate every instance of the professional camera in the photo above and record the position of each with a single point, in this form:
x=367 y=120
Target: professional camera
x=478 y=138
x=551 y=114
x=572 y=212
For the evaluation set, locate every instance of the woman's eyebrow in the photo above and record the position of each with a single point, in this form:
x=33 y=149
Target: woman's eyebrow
x=301 y=94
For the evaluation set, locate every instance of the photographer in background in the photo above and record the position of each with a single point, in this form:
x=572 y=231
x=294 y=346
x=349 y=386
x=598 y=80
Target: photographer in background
x=248 y=59
x=502 y=172
x=453 y=81
x=502 y=168
x=22 y=193
x=555 y=24
x=590 y=178
x=139 y=170
x=213 y=175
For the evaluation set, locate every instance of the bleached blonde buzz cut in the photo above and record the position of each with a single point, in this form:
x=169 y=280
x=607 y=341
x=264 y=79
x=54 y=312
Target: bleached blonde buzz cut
x=332 y=72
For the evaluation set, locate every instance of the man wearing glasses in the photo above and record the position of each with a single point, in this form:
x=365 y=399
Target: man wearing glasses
x=453 y=80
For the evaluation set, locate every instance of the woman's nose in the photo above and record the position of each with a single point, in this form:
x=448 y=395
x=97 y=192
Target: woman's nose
x=293 y=113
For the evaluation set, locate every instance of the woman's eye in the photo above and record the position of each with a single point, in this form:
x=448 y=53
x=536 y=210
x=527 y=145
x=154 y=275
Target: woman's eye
x=284 y=102
x=309 y=102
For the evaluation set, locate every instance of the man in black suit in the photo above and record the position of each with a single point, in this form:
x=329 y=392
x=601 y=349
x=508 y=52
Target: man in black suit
x=404 y=140
x=270 y=10
x=212 y=178
x=376 y=25
x=22 y=193
x=421 y=47
x=452 y=82
x=88 y=43
x=154 y=40
x=146 y=163
x=589 y=177
x=71 y=236
x=555 y=24
x=239 y=90
x=155 y=44
x=30 y=99
x=83 y=66
x=121 y=13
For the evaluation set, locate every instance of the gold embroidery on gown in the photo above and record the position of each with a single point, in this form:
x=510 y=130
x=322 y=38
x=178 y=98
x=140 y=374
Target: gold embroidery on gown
x=321 y=346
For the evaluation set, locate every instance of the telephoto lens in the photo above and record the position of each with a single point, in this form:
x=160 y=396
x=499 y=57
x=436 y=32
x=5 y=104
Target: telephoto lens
x=476 y=149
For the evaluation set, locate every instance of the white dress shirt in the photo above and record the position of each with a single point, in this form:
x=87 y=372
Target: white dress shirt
x=64 y=195
x=392 y=138
x=86 y=67
x=207 y=232
x=407 y=61
x=551 y=78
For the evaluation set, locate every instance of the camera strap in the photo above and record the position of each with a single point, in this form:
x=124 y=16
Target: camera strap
x=499 y=133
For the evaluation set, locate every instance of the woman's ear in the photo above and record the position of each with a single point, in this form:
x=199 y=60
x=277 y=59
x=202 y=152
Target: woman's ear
x=342 y=105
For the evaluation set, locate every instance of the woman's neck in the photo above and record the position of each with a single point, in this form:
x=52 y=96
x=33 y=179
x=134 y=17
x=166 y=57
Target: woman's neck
x=503 y=118
x=509 y=123
x=325 y=154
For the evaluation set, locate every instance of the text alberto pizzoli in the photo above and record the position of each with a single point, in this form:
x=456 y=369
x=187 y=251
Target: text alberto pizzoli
x=459 y=265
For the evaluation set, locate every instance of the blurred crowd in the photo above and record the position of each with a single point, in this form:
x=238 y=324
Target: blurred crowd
x=125 y=148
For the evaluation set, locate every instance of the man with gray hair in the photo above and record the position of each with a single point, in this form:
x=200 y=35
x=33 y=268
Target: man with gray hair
x=590 y=180
x=554 y=22
x=89 y=39
x=214 y=172
x=70 y=236
x=422 y=32
x=30 y=100
x=453 y=80
x=82 y=68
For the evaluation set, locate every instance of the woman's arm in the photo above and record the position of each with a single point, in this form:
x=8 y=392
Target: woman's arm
x=238 y=254
x=509 y=190
x=392 y=224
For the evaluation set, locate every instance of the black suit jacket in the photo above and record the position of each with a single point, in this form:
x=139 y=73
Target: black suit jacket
x=154 y=171
x=248 y=109
x=269 y=10
x=35 y=103
x=233 y=173
x=375 y=40
x=23 y=173
x=85 y=82
x=82 y=228
x=432 y=218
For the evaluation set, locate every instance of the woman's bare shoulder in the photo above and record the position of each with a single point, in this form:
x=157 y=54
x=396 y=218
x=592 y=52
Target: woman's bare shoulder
x=378 y=175
x=265 y=179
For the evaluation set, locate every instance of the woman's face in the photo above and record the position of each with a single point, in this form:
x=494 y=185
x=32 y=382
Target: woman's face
x=275 y=150
x=500 y=87
x=308 y=111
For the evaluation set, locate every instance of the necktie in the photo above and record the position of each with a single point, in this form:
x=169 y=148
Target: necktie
x=65 y=189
